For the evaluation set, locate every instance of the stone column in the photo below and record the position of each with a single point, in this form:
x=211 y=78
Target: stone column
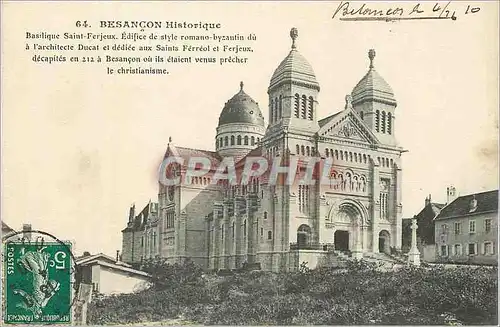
x=375 y=204
x=358 y=250
x=414 y=254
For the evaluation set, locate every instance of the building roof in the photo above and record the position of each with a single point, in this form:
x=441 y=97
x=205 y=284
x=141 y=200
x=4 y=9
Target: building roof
x=6 y=228
x=241 y=109
x=472 y=204
x=187 y=153
x=372 y=87
x=107 y=261
x=324 y=121
x=148 y=215
x=294 y=67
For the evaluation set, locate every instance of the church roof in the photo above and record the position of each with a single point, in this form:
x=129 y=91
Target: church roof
x=372 y=87
x=325 y=120
x=241 y=108
x=148 y=215
x=294 y=68
x=187 y=153
x=471 y=204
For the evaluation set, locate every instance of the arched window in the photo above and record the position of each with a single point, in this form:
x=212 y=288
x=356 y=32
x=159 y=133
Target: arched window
x=297 y=100
x=232 y=229
x=303 y=236
x=308 y=151
x=331 y=153
x=276 y=114
x=327 y=153
x=252 y=140
x=226 y=141
x=337 y=155
x=246 y=140
x=269 y=235
x=355 y=157
x=280 y=107
x=392 y=163
x=304 y=107
x=265 y=214
x=232 y=139
x=310 y=111
x=364 y=158
x=350 y=156
x=258 y=139
x=238 y=140
x=302 y=150
x=271 y=111
x=389 y=123
x=362 y=115
x=341 y=155
x=220 y=142
x=377 y=121
x=382 y=123
x=297 y=149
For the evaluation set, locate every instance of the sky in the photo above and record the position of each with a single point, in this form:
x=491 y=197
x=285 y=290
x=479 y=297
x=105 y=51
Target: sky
x=80 y=146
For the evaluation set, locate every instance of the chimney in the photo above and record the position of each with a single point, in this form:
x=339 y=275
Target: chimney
x=27 y=232
x=117 y=255
x=451 y=194
x=428 y=200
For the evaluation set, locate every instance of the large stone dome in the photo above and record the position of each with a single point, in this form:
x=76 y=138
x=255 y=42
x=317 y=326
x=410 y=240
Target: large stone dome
x=242 y=109
x=294 y=68
x=372 y=87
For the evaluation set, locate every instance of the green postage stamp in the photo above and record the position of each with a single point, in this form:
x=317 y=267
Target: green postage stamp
x=37 y=283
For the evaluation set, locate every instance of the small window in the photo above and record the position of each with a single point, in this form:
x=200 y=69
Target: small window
x=472 y=249
x=265 y=214
x=262 y=232
x=472 y=226
x=488 y=248
x=269 y=235
x=444 y=250
x=458 y=228
x=487 y=225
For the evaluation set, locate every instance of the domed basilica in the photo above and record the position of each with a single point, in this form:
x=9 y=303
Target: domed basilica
x=279 y=227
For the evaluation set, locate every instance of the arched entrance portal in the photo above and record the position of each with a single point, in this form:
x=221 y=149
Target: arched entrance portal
x=303 y=236
x=341 y=238
x=384 y=242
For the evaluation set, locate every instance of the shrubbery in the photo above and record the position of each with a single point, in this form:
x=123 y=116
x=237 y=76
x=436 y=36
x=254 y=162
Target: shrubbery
x=357 y=294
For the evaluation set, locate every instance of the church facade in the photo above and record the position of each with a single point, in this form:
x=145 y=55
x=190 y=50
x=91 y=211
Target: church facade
x=279 y=226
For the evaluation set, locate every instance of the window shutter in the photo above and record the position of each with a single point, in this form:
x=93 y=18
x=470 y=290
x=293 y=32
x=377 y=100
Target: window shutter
x=466 y=249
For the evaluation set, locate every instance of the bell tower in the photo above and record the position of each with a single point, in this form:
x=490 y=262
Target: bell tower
x=293 y=93
x=373 y=99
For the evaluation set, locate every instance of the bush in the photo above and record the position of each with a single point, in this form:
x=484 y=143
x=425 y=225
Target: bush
x=359 y=294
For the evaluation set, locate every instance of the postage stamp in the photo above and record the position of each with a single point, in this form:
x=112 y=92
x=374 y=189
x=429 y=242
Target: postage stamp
x=38 y=282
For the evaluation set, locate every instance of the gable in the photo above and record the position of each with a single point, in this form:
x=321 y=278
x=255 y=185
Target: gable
x=347 y=125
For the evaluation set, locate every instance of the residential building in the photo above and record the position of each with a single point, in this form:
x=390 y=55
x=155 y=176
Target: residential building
x=466 y=229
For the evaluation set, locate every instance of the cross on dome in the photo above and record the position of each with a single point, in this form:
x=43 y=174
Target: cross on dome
x=371 y=55
x=294 y=33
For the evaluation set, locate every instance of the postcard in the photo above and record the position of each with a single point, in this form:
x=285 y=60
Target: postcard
x=249 y=163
